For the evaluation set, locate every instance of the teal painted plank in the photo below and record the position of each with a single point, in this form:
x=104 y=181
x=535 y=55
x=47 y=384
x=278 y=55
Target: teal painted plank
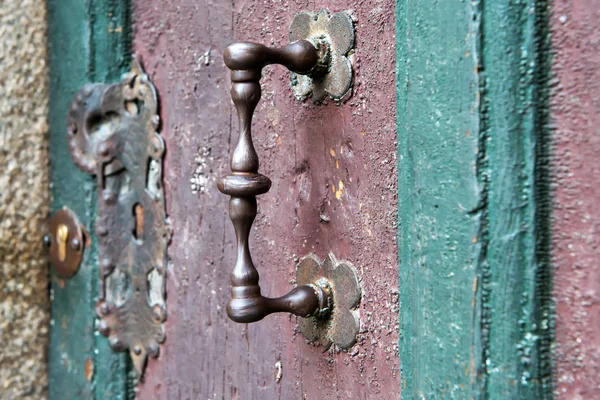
x=439 y=197
x=516 y=65
x=475 y=315
x=88 y=41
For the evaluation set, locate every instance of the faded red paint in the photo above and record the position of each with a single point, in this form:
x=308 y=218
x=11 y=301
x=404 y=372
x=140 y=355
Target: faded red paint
x=334 y=189
x=576 y=216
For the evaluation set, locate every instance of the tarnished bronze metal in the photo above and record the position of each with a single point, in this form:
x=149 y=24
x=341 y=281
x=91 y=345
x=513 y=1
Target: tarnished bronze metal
x=246 y=61
x=65 y=229
x=112 y=134
x=334 y=37
x=341 y=324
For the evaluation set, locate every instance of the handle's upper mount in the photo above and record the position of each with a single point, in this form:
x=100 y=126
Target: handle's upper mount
x=333 y=35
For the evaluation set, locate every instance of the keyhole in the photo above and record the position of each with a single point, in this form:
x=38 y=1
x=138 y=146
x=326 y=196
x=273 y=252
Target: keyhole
x=62 y=234
x=138 y=214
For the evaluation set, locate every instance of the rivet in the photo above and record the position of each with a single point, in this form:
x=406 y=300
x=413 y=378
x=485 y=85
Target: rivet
x=103 y=328
x=158 y=312
x=137 y=350
x=101 y=230
x=109 y=196
x=153 y=350
x=75 y=244
x=73 y=128
x=116 y=344
x=103 y=149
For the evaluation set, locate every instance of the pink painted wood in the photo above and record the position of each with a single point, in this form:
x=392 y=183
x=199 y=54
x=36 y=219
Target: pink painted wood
x=334 y=189
x=576 y=215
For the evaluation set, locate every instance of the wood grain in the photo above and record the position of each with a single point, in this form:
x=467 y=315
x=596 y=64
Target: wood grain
x=576 y=215
x=474 y=199
x=439 y=198
x=334 y=189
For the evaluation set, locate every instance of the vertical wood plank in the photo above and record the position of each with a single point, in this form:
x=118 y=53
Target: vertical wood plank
x=88 y=41
x=576 y=212
x=473 y=199
x=517 y=312
x=439 y=198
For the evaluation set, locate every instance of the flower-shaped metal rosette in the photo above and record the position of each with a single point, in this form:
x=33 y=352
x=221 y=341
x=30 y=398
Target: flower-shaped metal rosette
x=341 y=324
x=335 y=33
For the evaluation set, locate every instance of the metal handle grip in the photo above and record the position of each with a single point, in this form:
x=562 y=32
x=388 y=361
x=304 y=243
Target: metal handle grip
x=246 y=61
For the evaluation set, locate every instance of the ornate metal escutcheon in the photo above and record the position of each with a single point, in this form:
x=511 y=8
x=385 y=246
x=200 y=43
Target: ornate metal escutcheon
x=113 y=135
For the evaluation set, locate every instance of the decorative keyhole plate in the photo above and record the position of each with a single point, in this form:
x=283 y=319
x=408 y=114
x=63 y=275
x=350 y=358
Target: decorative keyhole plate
x=113 y=134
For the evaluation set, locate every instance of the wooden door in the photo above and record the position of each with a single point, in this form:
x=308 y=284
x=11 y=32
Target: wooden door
x=333 y=169
x=431 y=179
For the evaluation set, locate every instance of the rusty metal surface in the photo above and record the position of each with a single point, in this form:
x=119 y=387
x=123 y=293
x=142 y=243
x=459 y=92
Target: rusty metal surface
x=65 y=253
x=112 y=134
x=341 y=326
x=335 y=36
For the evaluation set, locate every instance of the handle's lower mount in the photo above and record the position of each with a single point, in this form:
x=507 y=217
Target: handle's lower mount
x=327 y=293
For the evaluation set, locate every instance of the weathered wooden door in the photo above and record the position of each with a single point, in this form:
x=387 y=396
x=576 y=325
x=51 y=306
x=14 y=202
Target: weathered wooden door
x=333 y=172
x=429 y=179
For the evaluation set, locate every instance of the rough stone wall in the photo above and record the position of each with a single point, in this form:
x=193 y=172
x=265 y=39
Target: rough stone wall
x=24 y=305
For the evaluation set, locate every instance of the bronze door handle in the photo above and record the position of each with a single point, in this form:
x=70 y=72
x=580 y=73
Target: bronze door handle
x=246 y=61
x=327 y=291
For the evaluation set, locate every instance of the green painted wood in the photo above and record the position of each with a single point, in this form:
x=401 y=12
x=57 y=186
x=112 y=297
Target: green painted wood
x=475 y=315
x=88 y=41
x=439 y=197
x=518 y=307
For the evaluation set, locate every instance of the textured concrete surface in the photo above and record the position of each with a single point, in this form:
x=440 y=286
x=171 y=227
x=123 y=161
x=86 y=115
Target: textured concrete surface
x=24 y=305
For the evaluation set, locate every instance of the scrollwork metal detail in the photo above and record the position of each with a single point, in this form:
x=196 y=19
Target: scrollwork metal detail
x=113 y=135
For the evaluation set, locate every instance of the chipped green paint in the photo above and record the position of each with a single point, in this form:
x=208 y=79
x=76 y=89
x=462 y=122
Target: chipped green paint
x=475 y=315
x=88 y=41
x=516 y=66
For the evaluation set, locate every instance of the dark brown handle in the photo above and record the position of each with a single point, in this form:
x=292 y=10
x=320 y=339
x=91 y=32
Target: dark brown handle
x=246 y=61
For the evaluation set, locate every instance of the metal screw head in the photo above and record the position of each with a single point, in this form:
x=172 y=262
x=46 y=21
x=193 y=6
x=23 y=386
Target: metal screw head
x=75 y=244
x=159 y=313
x=104 y=149
x=104 y=309
x=116 y=344
x=103 y=328
x=137 y=350
x=101 y=230
x=153 y=350
x=47 y=241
